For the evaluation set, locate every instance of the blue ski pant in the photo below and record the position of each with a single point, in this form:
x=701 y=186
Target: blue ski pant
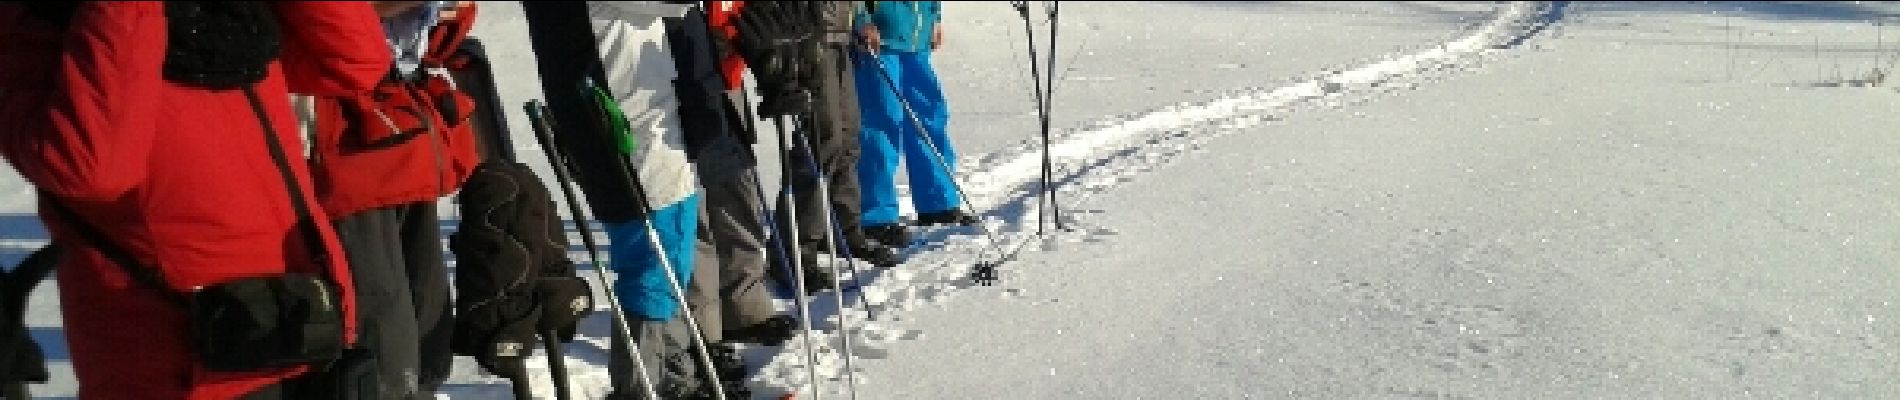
x=640 y=283
x=889 y=133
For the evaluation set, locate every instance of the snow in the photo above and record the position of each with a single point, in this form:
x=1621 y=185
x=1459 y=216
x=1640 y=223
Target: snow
x=1366 y=200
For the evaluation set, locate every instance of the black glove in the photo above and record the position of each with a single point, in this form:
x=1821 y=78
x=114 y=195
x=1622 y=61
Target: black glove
x=772 y=35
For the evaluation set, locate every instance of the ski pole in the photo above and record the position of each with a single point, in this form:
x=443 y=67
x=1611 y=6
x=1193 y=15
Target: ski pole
x=838 y=234
x=985 y=272
x=831 y=239
x=1048 y=118
x=1042 y=112
x=615 y=120
x=557 y=366
x=784 y=244
x=779 y=240
x=795 y=256
x=544 y=133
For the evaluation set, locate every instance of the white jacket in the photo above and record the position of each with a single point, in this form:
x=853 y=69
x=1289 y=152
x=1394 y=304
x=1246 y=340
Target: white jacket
x=640 y=71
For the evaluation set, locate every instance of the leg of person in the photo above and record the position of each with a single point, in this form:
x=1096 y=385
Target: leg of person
x=811 y=141
x=666 y=347
x=429 y=290
x=838 y=112
x=733 y=223
x=702 y=292
x=925 y=91
x=882 y=121
x=678 y=227
x=803 y=183
x=708 y=302
x=647 y=297
x=929 y=155
x=734 y=260
x=385 y=312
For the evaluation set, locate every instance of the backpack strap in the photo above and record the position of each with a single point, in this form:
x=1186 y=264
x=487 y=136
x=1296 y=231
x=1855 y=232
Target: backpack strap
x=153 y=278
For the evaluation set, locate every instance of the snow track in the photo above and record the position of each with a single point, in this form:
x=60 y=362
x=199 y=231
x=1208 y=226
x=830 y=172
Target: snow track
x=1095 y=159
x=1003 y=185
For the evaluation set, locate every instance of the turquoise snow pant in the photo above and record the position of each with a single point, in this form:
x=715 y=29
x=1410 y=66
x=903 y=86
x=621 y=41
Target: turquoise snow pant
x=640 y=283
x=888 y=130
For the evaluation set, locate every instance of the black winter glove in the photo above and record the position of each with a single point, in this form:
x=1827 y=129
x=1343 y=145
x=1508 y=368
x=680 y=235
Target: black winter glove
x=772 y=35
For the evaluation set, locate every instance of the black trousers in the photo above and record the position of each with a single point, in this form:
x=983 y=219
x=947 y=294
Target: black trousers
x=831 y=134
x=404 y=316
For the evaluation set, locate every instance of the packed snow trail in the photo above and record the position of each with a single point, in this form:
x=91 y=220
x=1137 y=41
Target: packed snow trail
x=1573 y=223
x=1112 y=86
x=934 y=272
x=1092 y=159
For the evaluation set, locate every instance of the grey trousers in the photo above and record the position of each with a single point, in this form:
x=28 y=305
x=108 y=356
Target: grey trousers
x=667 y=350
x=403 y=312
x=729 y=291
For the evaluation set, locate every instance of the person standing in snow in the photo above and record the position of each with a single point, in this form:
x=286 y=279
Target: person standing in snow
x=829 y=133
x=623 y=47
x=899 y=37
x=729 y=296
x=381 y=160
x=146 y=126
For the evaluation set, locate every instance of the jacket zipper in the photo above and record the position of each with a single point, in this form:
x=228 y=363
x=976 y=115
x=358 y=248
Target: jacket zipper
x=917 y=30
x=436 y=138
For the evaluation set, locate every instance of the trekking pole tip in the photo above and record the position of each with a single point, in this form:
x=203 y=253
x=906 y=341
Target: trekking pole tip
x=984 y=274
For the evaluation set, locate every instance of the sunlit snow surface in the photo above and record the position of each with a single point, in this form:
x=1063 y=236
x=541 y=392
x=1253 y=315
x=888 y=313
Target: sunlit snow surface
x=1365 y=200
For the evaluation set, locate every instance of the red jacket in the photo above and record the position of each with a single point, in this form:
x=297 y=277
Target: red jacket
x=405 y=142
x=724 y=15
x=176 y=175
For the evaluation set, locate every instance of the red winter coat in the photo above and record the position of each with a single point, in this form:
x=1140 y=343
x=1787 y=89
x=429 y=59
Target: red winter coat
x=403 y=143
x=176 y=175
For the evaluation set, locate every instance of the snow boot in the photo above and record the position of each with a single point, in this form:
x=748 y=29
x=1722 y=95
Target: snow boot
x=732 y=371
x=866 y=249
x=878 y=255
x=893 y=236
x=772 y=331
x=953 y=216
x=729 y=363
x=817 y=277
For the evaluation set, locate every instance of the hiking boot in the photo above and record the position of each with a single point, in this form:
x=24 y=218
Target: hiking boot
x=893 y=236
x=728 y=362
x=737 y=390
x=817 y=277
x=772 y=331
x=953 y=216
x=877 y=255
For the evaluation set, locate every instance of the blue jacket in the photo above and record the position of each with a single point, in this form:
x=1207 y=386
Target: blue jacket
x=904 y=25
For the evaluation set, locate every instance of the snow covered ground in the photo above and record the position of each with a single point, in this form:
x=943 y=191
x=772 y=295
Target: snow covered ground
x=1373 y=200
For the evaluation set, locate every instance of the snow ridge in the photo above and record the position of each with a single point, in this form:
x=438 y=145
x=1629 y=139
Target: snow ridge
x=1091 y=160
